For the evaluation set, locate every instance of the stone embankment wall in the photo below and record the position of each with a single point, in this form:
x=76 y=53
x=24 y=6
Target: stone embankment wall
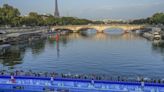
x=10 y=36
x=22 y=29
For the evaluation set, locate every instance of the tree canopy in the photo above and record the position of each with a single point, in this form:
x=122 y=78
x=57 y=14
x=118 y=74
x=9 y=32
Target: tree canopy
x=8 y=15
x=157 y=18
x=12 y=17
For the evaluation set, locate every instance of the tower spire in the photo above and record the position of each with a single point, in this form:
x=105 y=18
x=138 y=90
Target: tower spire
x=56 y=13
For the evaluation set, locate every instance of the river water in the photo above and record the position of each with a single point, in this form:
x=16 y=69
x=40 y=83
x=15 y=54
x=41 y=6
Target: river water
x=112 y=53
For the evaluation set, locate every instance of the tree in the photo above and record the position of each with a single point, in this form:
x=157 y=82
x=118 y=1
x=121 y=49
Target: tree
x=11 y=16
x=16 y=21
x=158 y=18
x=33 y=19
x=8 y=13
x=50 y=20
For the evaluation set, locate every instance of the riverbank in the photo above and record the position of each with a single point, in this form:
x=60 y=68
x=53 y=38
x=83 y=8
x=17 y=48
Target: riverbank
x=152 y=33
x=22 y=29
x=21 y=34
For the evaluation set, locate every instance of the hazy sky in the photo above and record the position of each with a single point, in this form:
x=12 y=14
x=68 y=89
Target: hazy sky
x=92 y=9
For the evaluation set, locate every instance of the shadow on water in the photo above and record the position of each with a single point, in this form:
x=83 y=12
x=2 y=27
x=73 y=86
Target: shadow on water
x=37 y=47
x=87 y=33
x=12 y=58
x=114 y=31
x=15 y=54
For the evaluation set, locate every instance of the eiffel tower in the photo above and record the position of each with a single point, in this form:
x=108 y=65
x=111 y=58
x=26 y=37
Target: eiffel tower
x=56 y=13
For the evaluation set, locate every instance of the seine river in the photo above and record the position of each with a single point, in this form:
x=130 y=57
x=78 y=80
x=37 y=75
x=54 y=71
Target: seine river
x=112 y=53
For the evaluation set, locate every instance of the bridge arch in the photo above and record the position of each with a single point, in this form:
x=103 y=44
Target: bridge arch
x=63 y=29
x=123 y=28
x=99 y=28
x=75 y=30
x=86 y=28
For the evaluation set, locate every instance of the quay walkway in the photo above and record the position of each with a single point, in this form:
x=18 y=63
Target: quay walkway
x=42 y=84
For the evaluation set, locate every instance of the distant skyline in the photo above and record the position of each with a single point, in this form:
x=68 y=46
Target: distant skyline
x=91 y=9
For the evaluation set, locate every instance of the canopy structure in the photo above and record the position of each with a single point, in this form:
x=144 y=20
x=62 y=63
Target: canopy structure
x=31 y=84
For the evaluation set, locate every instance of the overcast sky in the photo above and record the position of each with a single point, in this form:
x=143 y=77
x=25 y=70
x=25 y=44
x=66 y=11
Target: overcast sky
x=91 y=9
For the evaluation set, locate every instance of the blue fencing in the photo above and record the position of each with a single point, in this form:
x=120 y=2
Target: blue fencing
x=27 y=84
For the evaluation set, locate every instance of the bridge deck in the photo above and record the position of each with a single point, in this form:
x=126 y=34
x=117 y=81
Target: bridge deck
x=98 y=28
x=26 y=84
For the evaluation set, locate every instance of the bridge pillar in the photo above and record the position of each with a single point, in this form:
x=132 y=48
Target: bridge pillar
x=126 y=31
x=100 y=31
x=75 y=31
x=100 y=28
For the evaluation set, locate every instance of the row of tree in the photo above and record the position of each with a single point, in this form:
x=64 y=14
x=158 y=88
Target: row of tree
x=11 y=16
x=157 y=18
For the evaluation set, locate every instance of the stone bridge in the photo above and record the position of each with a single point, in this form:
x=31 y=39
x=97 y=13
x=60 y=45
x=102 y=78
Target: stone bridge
x=99 y=28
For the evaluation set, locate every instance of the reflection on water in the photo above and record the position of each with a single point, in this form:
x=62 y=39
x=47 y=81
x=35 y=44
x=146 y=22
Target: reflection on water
x=12 y=58
x=158 y=47
x=100 y=36
x=89 y=52
x=15 y=53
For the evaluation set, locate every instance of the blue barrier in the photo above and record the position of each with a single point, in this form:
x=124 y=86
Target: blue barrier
x=86 y=80
x=42 y=83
